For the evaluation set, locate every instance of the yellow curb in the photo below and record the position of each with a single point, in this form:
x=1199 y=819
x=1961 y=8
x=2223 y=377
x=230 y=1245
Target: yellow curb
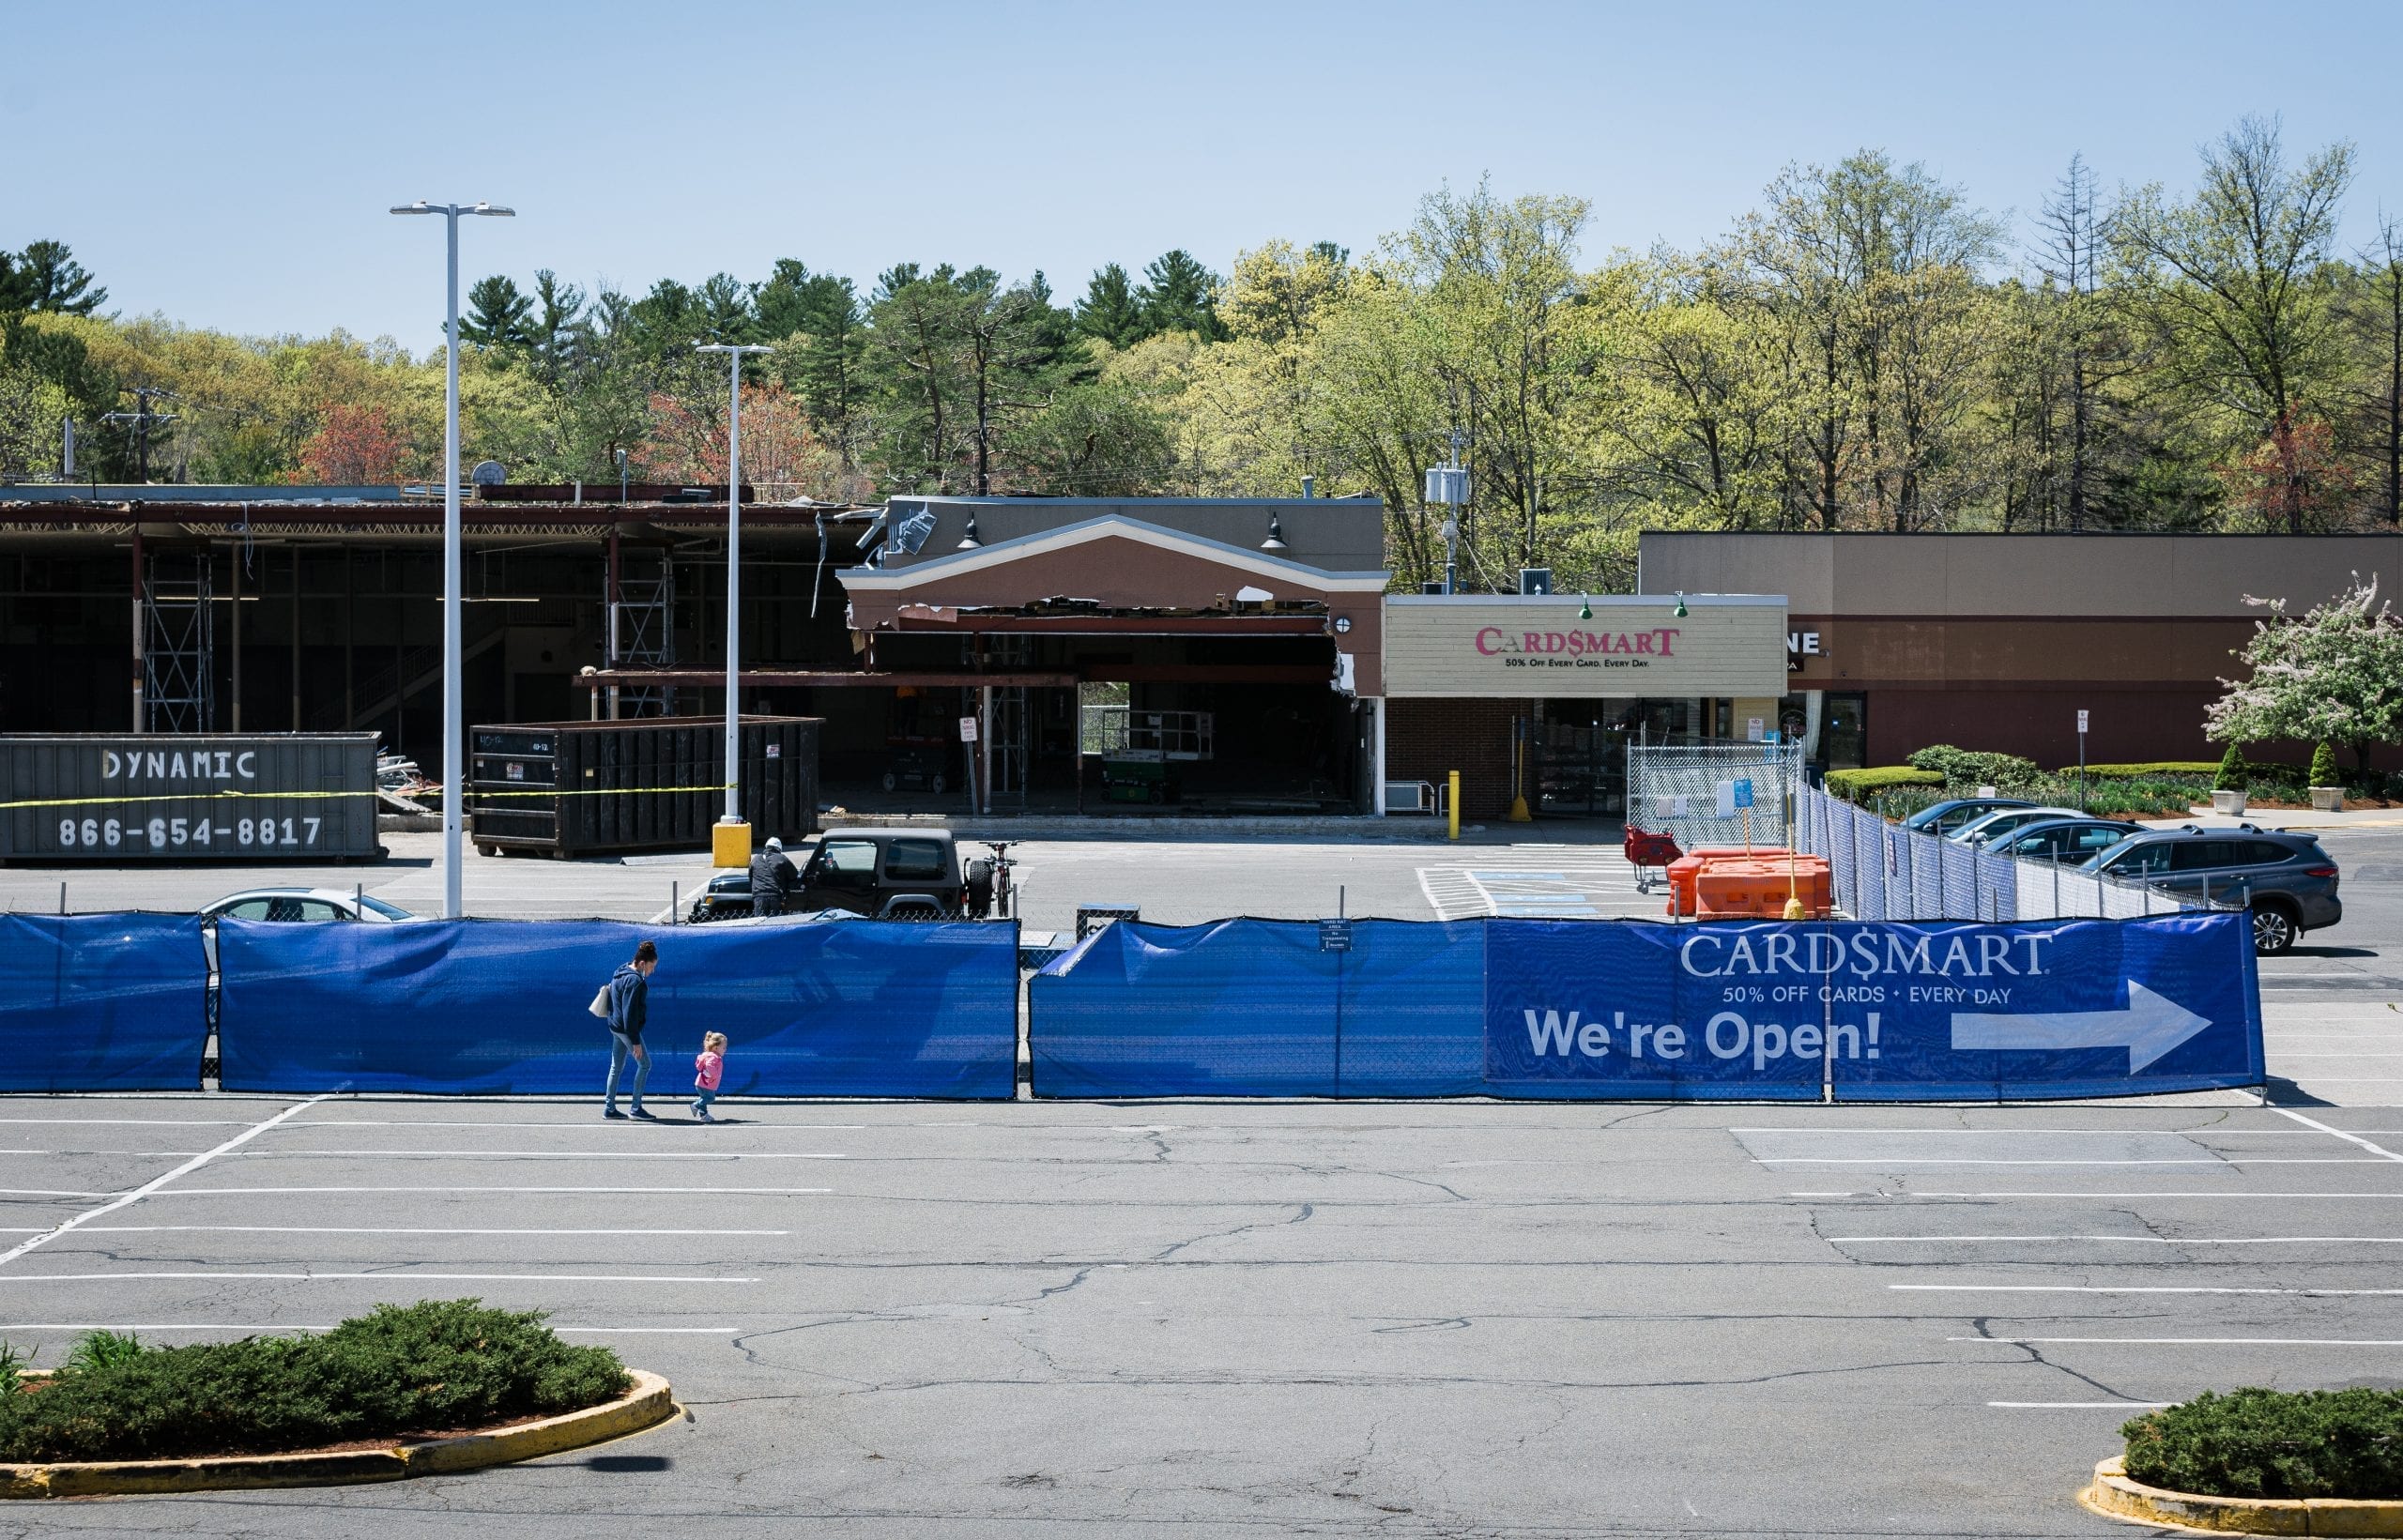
x=2115 y=1496
x=648 y=1404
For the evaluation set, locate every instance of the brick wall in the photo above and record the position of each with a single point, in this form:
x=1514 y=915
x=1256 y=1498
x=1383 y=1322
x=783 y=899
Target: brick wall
x=1425 y=739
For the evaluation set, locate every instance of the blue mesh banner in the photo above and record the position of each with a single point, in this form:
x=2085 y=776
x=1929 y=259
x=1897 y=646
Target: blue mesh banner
x=1750 y=1009
x=101 y=1002
x=850 y=1008
x=2042 y=1008
x=1262 y=1008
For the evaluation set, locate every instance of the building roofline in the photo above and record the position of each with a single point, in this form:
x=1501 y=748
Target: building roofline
x=1003 y=553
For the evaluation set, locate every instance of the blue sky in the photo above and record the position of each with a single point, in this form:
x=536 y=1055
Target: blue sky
x=229 y=164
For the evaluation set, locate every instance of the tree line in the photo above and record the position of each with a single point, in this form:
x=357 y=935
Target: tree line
x=1866 y=349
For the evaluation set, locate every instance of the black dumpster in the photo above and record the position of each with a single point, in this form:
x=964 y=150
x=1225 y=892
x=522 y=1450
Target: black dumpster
x=573 y=788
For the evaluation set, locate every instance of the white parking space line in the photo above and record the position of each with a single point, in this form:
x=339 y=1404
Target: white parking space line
x=279 y=1192
x=52 y=1192
x=536 y=1154
x=2116 y=1196
x=2135 y=1288
x=2082 y=1406
x=253 y=1328
x=135 y=1123
x=2188 y=1341
x=354 y=1229
x=2125 y=1240
x=156 y=1183
x=463 y=1122
x=399 y=1271
x=2338 y=1132
x=1894 y=1161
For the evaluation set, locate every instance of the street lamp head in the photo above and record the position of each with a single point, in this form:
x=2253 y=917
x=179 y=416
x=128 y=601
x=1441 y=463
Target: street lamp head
x=700 y=347
x=420 y=206
x=492 y=209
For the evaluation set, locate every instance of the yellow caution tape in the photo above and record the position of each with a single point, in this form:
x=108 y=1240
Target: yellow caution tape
x=225 y=792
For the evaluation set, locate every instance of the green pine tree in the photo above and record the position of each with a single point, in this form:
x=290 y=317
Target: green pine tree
x=2234 y=774
x=2323 y=766
x=1110 y=312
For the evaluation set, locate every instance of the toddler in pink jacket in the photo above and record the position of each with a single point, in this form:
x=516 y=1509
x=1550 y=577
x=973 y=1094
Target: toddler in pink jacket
x=708 y=1070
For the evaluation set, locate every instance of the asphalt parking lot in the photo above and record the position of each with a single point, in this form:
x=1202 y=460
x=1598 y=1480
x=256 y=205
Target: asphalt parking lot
x=1057 y=1319
x=1047 y=1319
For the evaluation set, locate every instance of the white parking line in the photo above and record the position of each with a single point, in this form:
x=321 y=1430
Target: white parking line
x=2082 y=1406
x=537 y=1155
x=464 y=1123
x=156 y=1183
x=51 y=1192
x=389 y=1275
x=2348 y=1138
x=2109 y=1197
x=2128 y=1240
x=2132 y=1288
x=1941 y=1160
x=135 y=1123
x=354 y=1229
x=2189 y=1341
x=201 y=1326
x=278 y=1192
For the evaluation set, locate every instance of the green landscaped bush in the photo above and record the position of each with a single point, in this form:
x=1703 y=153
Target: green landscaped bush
x=2233 y=772
x=2254 y=1442
x=437 y=1365
x=2148 y=771
x=2323 y=767
x=1970 y=768
x=1855 y=786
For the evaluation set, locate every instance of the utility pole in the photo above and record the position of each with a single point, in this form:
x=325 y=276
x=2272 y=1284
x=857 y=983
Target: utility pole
x=1447 y=484
x=142 y=417
x=732 y=836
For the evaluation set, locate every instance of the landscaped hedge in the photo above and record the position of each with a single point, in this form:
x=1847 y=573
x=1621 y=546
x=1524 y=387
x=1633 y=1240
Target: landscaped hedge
x=438 y=1365
x=2163 y=767
x=1966 y=767
x=2254 y=1442
x=1855 y=786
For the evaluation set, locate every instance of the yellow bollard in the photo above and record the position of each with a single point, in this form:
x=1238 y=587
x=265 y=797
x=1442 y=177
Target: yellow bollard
x=729 y=844
x=1452 y=801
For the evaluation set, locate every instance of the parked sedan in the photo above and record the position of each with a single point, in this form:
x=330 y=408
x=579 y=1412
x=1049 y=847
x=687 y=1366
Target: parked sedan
x=2283 y=877
x=1944 y=817
x=1981 y=830
x=305 y=906
x=2068 y=841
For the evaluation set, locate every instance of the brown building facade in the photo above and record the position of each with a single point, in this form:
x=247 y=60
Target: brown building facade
x=1997 y=642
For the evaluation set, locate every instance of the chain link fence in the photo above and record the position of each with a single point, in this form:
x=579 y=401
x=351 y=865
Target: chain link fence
x=1712 y=794
x=1883 y=871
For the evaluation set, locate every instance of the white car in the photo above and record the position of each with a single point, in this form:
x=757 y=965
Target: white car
x=306 y=906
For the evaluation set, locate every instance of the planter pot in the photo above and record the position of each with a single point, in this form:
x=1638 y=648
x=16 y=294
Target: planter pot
x=2227 y=801
x=2327 y=798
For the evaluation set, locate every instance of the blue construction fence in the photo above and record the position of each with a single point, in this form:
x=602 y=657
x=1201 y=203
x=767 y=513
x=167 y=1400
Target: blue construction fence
x=861 y=1008
x=101 y=1002
x=1736 y=1010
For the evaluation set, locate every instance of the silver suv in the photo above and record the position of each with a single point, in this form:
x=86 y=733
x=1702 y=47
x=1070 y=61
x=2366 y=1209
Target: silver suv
x=2283 y=877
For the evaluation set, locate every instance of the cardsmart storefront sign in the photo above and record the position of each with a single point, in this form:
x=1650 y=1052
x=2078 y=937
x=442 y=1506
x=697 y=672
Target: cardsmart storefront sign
x=1556 y=646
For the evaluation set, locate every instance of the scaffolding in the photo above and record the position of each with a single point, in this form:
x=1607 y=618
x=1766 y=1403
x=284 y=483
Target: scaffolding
x=178 y=643
x=642 y=628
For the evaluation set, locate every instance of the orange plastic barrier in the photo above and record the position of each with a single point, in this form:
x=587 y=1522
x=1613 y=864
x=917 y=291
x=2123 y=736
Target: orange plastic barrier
x=1683 y=870
x=1759 y=888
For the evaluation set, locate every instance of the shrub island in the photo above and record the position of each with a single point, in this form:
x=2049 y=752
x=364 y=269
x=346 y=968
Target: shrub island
x=2268 y=1443
x=400 y=1372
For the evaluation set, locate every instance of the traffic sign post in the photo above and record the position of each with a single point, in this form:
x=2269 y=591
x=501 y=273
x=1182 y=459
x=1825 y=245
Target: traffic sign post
x=2081 y=759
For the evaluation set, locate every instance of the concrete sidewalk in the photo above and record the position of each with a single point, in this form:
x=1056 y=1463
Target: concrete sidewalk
x=2285 y=818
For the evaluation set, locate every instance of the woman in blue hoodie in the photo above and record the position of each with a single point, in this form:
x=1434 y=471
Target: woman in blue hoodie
x=629 y=1008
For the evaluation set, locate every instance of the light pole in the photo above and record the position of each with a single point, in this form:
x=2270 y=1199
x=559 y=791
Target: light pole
x=454 y=759
x=732 y=833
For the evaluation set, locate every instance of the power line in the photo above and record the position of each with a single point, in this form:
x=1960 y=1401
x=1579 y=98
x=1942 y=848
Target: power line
x=142 y=417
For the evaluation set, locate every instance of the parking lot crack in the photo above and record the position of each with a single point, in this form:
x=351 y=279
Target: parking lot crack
x=1302 y=1213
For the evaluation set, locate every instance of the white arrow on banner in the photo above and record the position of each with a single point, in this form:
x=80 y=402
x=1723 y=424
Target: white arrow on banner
x=2150 y=1025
